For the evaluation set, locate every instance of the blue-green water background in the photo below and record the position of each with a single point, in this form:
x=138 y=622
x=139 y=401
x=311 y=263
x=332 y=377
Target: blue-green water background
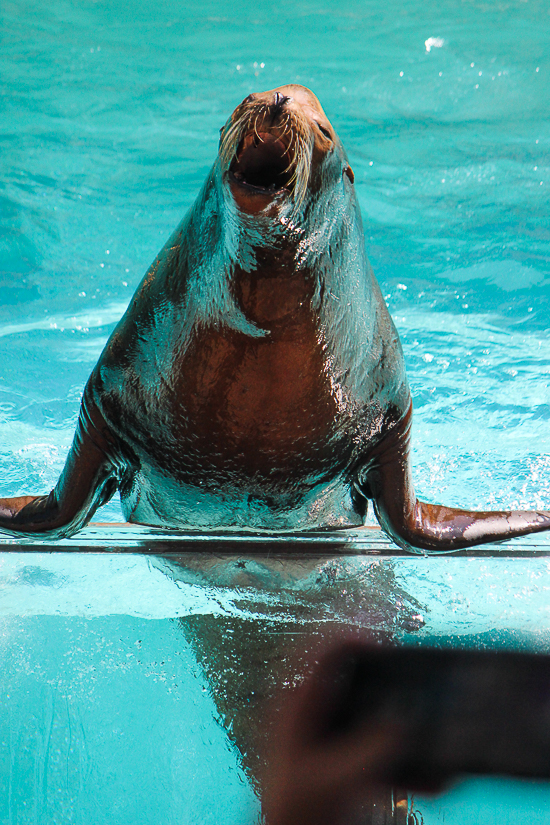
x=109 y=119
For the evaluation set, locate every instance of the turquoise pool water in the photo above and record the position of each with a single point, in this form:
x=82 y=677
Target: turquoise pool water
x=109 y=119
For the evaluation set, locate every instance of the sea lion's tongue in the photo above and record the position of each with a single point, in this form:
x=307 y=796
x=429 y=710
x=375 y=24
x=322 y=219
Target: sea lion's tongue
x=262 y=162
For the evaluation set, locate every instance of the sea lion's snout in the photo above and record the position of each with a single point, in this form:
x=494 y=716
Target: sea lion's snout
x=266 y=148
x=263 y=162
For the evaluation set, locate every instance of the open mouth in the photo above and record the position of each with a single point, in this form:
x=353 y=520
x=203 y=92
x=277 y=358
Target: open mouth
x=263 y=164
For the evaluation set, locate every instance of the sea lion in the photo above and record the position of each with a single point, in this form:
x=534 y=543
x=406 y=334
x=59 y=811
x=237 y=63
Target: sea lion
x=256 y=380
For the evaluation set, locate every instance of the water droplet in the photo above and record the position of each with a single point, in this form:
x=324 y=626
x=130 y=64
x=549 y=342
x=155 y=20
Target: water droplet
x=414 y=622
x=433 y=43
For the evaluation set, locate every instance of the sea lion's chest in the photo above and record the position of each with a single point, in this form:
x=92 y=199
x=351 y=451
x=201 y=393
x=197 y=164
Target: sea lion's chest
x=259 y=402
x=232 y=406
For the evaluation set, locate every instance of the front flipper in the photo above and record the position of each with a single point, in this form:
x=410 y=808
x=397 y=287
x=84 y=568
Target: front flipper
x=416 y=525
x=88 y=480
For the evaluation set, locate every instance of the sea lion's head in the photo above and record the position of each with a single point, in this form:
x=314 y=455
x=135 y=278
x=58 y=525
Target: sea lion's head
x=279 y=148
x=279 y=200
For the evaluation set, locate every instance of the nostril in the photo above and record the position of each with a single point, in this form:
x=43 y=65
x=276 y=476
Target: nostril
x=279 y=100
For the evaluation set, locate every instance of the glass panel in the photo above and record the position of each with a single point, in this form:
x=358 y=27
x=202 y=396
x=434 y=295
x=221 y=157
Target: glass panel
x=138 y=684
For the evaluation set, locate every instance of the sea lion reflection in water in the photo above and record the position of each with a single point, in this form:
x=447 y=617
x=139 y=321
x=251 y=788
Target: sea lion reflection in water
x=256 y=380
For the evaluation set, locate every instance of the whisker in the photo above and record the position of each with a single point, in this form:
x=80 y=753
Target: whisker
x=299 y=149
x=286 y=127
x=231 y=139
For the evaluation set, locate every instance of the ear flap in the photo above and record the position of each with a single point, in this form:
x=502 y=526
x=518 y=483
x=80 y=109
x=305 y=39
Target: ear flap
x=349 y=172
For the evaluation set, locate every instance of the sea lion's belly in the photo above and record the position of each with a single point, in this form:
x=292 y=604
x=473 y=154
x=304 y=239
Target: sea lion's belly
x=253 y=413
x=254 y=435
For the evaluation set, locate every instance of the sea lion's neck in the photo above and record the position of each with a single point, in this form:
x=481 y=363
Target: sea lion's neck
x=275 y=293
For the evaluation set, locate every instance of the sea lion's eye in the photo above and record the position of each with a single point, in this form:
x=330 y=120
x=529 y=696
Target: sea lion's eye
x=349 y=172
x=324 y=131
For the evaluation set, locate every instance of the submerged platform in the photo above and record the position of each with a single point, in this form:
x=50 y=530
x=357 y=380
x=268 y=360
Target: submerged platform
x=367 y=541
